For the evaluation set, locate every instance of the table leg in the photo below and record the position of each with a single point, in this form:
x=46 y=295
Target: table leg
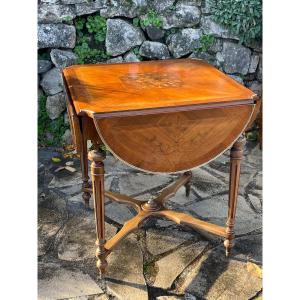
x=236 y=154
x=85 y=171
x=188 y=184
x=97 y=172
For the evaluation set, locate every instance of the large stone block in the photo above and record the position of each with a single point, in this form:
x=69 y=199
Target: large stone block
x=184 y=41
x=236 y=58
x=88 y=7
x=122 y=36
x=154 y=50
x=131 y=57
x=56 y=36
x=182 y=16
x=63 y=58
x=44 y=66
x=55 y=105
x=52 y=82
x=209 y=26
x=155 y=33
x=48 y=13
x=254 y=63
x=161 y=6
x=73 y=1
x=57 y=282
x=121 y=8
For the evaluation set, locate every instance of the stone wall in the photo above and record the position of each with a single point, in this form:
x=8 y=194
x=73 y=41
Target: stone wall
x=182 y=24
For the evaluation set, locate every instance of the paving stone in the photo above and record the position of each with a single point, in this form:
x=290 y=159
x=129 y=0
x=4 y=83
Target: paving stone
x=255 y=157
x=77 y=239
x=215 y=209
x=54 y=201
x=212 y=277
x=49 y=223
x=56 y=282
x=163 y=223
x=169 y=298
x=138 y=183
x=91 y=297
x=60 y=181
x=173 y=264
x=221 y=169
x=114 y=166
x=118 y=212
x=207 y=184
x=161 y=241
x=248 y=248
x=255 y=202
x=71 y=190
x=217 y=277
x=181 y=199
x=125 y=277
x=77 y=188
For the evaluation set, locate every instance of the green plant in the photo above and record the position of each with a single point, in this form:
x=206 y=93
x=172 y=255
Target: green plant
x=68 y=20
x=241 y=17
x=151 y=18
x=136 y=22
x=205 y=42
x=97 y=26
x=86 y=54
x=252 y=135
x=79 y=23
x=49 y=131
x=91 y=33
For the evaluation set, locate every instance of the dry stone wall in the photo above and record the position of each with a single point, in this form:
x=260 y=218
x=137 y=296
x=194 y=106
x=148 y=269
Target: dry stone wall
x=165 y=29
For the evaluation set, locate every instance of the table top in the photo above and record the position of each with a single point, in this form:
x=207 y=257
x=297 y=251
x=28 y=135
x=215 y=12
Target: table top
x=171 y=85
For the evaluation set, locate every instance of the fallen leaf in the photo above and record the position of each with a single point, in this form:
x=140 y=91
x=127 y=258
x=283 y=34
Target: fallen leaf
x=254 y=269
x=70 y=169
x=56 y=159
x=59 y=169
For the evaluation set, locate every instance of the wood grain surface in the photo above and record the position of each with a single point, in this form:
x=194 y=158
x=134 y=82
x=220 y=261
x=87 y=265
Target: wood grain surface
x=173 y=142
x=111 y=88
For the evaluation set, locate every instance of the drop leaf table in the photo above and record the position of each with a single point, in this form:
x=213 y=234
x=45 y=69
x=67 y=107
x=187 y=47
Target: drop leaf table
x=157 y=116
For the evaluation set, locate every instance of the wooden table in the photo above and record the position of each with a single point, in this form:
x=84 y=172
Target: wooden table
x=156 y=116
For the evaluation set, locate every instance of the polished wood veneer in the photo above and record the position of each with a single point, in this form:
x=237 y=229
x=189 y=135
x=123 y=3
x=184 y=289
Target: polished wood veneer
x=106 y=89
x=173 y=142
x=158 y=116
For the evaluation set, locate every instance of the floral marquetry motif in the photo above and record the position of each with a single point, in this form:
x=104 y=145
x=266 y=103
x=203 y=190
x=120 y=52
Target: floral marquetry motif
x=152 y=80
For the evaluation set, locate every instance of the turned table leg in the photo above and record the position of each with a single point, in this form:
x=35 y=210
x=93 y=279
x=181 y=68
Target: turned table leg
x=236 y=154
x=188 y=184
x=85 y=171
x=97 y=173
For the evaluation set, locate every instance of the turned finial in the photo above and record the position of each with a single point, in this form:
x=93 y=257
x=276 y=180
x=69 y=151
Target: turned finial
x=96 y=156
